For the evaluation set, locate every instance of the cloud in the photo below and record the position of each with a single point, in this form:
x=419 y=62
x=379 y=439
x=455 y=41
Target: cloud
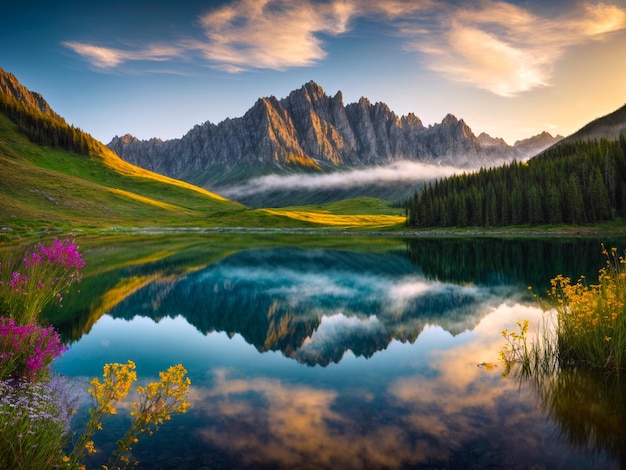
x=272 y=34
x=244 y=35
x=492 y=45
x=402 y=171
x=106 y=57
x=504 y=48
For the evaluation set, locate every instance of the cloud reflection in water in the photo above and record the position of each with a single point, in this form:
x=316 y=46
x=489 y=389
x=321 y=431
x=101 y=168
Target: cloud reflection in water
x=448 y=414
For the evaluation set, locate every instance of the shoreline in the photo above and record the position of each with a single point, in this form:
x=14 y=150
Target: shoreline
x=11 y=235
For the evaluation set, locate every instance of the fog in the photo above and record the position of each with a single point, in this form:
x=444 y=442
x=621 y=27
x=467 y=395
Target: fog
x=400 y=171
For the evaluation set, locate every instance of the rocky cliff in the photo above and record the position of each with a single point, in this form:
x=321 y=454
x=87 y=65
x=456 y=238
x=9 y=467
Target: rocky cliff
x=10 y=85
x=309 y=130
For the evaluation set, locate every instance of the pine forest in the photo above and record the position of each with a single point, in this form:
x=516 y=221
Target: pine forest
x=571 y=183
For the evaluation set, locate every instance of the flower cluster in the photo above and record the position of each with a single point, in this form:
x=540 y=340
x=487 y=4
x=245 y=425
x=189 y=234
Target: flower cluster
x=516 y=349
x=34 y=422
x=27 y=287
x=34 y=408
x=26 y=351
x=118 y=380
x=62 y=253
x=591 y=318
x=157 y=402
x=586 y=326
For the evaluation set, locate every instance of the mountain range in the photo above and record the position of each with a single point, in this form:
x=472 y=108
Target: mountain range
x=55 y=175
x=310 y=131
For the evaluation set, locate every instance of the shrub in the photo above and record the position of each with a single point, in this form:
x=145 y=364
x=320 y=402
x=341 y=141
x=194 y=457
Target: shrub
x=34 y=422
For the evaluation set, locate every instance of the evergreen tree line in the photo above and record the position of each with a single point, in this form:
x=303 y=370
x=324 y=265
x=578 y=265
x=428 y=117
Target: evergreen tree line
x=572 y=183
x=42 y=128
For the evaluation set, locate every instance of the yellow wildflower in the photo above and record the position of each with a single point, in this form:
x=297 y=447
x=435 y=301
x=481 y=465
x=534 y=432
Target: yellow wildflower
x=90 y=447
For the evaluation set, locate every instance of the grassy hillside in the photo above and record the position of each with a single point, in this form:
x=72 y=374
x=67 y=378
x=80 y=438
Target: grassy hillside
x=56 y=177
x=45 y=188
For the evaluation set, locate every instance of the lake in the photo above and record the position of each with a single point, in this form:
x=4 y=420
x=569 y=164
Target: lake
x=338 y=352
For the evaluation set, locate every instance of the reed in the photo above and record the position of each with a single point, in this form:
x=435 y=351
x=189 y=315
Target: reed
x=584 y=325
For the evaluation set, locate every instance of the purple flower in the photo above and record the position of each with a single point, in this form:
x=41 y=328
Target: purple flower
x=46 y=271
x=63 y=253
x=31 y=348
x=40 y=404
x=18 y=280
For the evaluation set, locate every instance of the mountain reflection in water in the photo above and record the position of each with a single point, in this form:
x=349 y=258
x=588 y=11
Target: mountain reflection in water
x=314 y=305
x=391 y=340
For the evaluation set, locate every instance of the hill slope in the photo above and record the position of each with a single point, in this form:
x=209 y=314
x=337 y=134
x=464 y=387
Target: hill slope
x=54 y=176
x=608 y=127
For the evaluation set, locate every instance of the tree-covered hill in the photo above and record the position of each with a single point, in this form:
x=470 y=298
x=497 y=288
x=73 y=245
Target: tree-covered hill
x=44 y=128
x=582 y=182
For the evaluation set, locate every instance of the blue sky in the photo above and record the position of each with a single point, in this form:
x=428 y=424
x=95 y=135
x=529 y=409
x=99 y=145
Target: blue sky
x=157 y=68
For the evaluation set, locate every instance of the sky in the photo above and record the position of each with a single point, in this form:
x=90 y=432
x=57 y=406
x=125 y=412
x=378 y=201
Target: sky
x=155 y=68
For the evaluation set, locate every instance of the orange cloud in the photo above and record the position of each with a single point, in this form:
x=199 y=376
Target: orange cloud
x=506 y=49
x=274 y=34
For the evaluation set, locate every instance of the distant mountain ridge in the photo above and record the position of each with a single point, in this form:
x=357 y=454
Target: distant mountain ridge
x=309 y=130
x=608 y=127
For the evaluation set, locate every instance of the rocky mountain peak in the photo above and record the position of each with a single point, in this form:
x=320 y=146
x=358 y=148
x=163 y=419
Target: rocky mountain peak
x=535 y=144
x=126 y=139
x=364 y=102
x=310 y=129
x=487 y=141
x=315 y=91
x=411 y=120
x=10 y=84
x=450 y=120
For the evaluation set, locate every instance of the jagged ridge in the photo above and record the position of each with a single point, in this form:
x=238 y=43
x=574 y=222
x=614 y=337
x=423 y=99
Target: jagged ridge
x=311 y=130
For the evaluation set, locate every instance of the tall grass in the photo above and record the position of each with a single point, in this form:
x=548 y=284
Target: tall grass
x=585 y=324
x=591 y=319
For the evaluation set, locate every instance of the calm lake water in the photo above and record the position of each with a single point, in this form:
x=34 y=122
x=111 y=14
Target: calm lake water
x=344 y=353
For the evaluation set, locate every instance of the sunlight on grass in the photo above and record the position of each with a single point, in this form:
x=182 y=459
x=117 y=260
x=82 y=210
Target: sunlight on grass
x=336 y=220
x=145 y=200
x=114 y=162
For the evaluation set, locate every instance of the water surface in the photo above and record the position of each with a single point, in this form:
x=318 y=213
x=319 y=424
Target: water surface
x=338 y=354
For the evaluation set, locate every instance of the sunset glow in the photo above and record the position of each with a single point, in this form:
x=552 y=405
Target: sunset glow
x=508 y=68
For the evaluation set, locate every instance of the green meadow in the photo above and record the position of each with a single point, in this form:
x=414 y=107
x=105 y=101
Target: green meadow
x=49 y=189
